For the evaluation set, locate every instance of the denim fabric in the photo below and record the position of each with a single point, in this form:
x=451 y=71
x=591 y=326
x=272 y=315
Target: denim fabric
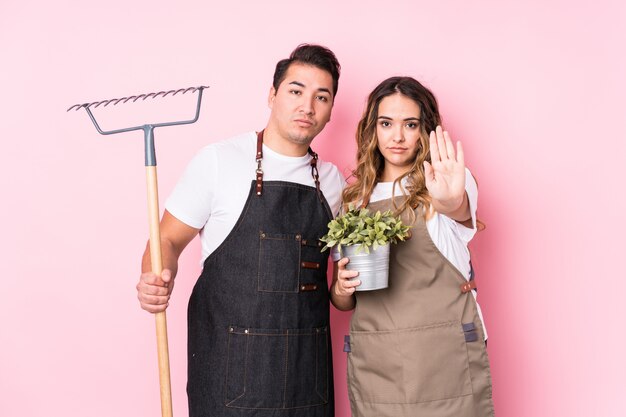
x=259 y=345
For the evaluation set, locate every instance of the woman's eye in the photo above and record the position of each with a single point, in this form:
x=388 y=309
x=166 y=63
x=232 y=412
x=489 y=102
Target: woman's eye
x=411 y=125
x=385 y=123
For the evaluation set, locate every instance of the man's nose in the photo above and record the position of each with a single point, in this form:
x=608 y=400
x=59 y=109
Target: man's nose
x=307 y=106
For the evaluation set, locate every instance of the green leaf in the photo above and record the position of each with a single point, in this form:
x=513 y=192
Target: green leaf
x=360 y=227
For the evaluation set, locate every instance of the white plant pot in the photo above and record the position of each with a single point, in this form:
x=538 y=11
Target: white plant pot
x=373 y=267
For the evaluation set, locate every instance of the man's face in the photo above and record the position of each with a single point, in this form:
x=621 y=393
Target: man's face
x=302 y=104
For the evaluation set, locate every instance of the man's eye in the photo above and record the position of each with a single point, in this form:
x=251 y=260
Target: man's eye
x=296 y=92
x=322 y=98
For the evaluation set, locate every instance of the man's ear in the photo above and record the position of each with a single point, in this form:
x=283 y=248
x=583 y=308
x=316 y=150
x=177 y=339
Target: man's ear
x=271 y=97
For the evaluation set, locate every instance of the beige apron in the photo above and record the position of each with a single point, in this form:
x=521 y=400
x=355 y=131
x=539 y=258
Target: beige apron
x=417 y=348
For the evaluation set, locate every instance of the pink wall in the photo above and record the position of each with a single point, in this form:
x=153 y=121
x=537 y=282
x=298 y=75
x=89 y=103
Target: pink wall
x=534 y=89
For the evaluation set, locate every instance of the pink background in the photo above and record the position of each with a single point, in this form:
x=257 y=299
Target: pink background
x=535 y=90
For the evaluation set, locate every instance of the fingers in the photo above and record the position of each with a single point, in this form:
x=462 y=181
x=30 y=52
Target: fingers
x=153 y=304
x=153 y=292
x=441 y=143
x=460 y=156
x=346 y=279
x=166 y=275
x=434 y=148
x=152 y=279
x=429 y=174
x=442 y=148
x=449 y=145
x=342 y=263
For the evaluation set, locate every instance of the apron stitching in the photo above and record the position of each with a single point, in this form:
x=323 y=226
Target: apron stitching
x=409 y=329
x=286 y=369
x=244 y=375
x=299 y=249
x=418 y=402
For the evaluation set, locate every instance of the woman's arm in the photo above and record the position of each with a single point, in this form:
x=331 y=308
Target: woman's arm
x=343 y=287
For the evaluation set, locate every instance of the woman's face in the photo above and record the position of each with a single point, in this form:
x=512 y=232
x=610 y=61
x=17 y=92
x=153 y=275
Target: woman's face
x=398 y=132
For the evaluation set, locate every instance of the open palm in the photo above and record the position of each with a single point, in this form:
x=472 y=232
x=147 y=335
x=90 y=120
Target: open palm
x=445 y=175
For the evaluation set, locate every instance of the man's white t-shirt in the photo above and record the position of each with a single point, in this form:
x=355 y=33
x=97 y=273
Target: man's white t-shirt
x=449 y=236
x=214 y=188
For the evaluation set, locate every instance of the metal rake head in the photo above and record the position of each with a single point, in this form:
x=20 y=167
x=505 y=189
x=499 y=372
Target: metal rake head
x=123 y=100
x=148 y=129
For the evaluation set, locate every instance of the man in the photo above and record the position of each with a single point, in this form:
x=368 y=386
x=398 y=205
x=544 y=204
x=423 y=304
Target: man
x=258 y=317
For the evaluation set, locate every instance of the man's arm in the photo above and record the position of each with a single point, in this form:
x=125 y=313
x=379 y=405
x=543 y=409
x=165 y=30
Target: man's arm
x=154 y=292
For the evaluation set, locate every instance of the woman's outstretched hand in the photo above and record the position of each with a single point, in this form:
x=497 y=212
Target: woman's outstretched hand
x=445 y=175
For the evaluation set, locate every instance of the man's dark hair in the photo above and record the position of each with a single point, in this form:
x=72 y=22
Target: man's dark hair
x=315 y=55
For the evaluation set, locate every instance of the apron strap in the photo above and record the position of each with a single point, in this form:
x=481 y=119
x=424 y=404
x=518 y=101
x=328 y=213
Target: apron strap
x=471 y=283
x=259 y=170
x=314 y=172
x=259 y=157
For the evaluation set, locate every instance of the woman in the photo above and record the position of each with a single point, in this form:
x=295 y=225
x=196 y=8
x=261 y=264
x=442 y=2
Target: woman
x=416 y=348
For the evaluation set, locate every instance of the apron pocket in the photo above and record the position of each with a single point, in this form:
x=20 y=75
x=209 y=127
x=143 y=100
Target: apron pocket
x=409 y=366
x=276 y=368
x=317 y=275
x=279 y=262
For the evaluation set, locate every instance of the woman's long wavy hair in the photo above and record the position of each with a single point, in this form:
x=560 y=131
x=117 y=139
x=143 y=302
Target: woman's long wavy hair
x=371 y=163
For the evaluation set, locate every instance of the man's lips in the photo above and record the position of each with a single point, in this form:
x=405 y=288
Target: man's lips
x=304 y=122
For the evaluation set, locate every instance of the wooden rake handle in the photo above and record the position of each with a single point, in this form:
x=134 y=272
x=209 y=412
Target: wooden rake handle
x=153 y=216
x=157 y=268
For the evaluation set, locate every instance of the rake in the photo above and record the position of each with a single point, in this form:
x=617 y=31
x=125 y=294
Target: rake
x=153 y=213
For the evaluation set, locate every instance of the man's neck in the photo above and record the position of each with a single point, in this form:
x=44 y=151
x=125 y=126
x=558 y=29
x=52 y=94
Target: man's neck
x=282 y=145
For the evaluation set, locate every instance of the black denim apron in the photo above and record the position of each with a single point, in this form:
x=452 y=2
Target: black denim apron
x=258 y=317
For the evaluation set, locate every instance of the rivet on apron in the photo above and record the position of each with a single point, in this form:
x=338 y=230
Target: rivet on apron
x=468 y=286
x=298 y=237
x=246 y=331
x=308 y=287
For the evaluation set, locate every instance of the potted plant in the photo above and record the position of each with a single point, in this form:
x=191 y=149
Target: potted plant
x=365 y=238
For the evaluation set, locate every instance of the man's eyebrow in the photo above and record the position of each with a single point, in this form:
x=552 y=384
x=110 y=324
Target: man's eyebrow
x=299 y=84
